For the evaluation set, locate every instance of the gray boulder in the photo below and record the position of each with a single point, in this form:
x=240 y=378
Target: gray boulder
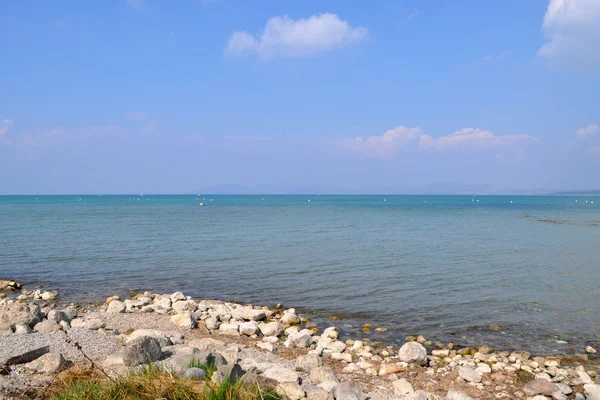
x=231 y=372
x=300 y=340
x=49 y=363
x=402 y=387
x=116 y=307
x=290 y=391
x=540 y=386
x=185 y=320
x=281 y=374
x=46 y=326
x=413 y=353
x=308 y=362
x=349 y=391
x=322 y=374
x=271 y=328
x=194 y=373
x=142 y=350
x=469 y=374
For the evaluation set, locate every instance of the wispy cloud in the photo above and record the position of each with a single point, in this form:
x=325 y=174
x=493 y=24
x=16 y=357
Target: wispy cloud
x=573 y=33
x=5 y=126
x=414 y=14
x=136 y=3
x=384 y=145
x=497 y=56
x=594 y=150
x=588 y=131
x=472 y=137
x=387 y=144
x=286 y=37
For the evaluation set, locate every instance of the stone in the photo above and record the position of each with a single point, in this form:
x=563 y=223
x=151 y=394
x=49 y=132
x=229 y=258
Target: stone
x=49 y=363
x=418 y=395
x=193 y=373
x=248 y=314
x=454 y=394
x=26 y=357
x=57 y=316
x=564 y=388
x=298 y=340
x=24 y=329
x=337 y=346
x=290 y=390
x=46 y=326
x=116 y=307
x=540 y=386
x=413 y=353
x=230 y=329
x=402 y=387
x=49 y=296
x=270 y=328
x=5 y=328
x=290 y=318
x=177 y=296
x=322 y=374
x=280 y=374
x=308 y=362
x=440 y=353
x=317 y=393
x=162 y=337
x=331 y=333
x=341 y=356
x=141 y=351
x=349 y=391
x=205 y=344
x=249 y=328
x=231 y=372
x=185 y=320
x=469 y=374
x=590 y=350
x=387 y=369
x=212 y=322
x=592 y=391
x=270 y=347
x=538 y=397
x=94 y=323
x=484 y=368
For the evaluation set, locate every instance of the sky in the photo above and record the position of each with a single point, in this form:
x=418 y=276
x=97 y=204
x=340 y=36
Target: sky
x=152 y=96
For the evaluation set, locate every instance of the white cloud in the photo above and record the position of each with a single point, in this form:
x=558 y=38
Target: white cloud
x=136 y=3
x=285 y=37
x=414 y=14
x=595 y=150
x=5 y=126
x=588 y=131
x=386 y=144
x=573 y=33
x=471 y=137
x=394 y=139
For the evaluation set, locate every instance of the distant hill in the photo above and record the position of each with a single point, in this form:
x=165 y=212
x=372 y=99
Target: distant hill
x=579 y=193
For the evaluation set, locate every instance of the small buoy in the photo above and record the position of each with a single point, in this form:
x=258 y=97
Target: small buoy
x=201 y=204
x=472 y=200
x=592 y=201
x=575 y=201
x=384 y=200
x=478 y=200
x=210 y=199
x=263 y=198
x=511 y=201
x=309 y=200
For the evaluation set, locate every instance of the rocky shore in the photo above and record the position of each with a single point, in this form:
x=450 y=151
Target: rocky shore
x=40 y=337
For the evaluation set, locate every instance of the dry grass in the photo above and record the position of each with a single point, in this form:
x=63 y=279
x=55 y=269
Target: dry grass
x=150 y=384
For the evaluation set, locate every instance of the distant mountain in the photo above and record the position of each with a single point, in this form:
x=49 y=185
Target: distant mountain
x=579 y=193
x=439 y=188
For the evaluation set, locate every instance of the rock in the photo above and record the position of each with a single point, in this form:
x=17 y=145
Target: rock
x=231 y=372
x=94 y=323
x=116 y=307
x=280 y=374
x=418 y=395
x=469 y=374
x=205 y=344
x=26 y=357
x=162 y=337
x=230 y=329
x=538 y=398
x=456 y=395
x=308 y=362
x=248 y=314
x=49 y=363
x=5 y=328
x=402 y=387
x=177 y=296
x=270 y=347
x=590 y=350
x=298 y=340
x=322 y=374
x=540 y=386
x=440 y=352
x=484 y=368
x=317 y=393
x=413 y=353
x=331 y=333
x=564 y=388
x=290 y=318
x=271 y=328
x=349 y=391
x=290 y=390
x=25 y=329
x=328 y=386
x=337 y=346
x=193 y=373
x=592 y=391
x=341 y=356
x=46 y=326
x=249 y=328
x=49 y=296
x=141 y=351
x=212 y=322
x=387 y=369
x=57 y=316
x=184 y=320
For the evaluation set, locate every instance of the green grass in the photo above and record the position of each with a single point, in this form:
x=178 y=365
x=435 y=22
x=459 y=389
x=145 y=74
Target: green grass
x=153 y=383
x=209 y=368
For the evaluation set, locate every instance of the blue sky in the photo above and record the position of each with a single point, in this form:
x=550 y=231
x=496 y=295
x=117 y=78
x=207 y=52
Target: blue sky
x=127 y=96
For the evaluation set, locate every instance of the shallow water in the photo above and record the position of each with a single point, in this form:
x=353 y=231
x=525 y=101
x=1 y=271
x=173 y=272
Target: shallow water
x=448 y=268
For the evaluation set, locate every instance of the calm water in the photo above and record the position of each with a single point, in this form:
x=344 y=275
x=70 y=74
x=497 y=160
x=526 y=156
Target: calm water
x=447 y=269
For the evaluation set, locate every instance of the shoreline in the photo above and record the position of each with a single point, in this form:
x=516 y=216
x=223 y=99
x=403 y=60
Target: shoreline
x=289 y=336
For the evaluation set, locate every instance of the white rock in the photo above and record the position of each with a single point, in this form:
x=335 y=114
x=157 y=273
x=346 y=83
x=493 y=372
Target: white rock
x=184 y=320
x=281 y=374
x=249 y=328
x=290 y=390
x=413 y=353
x=267 y=346
x=484 y=368
x=590 y=349
x=402 y=387
x=94 y=323
x=592 y=391
x=469 y=374
x=289 y=318
x=271 y=328
x=298 y=340
x=331 y=333
x=116 y=307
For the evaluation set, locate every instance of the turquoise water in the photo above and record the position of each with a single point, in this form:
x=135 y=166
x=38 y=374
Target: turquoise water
x=448 y=268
